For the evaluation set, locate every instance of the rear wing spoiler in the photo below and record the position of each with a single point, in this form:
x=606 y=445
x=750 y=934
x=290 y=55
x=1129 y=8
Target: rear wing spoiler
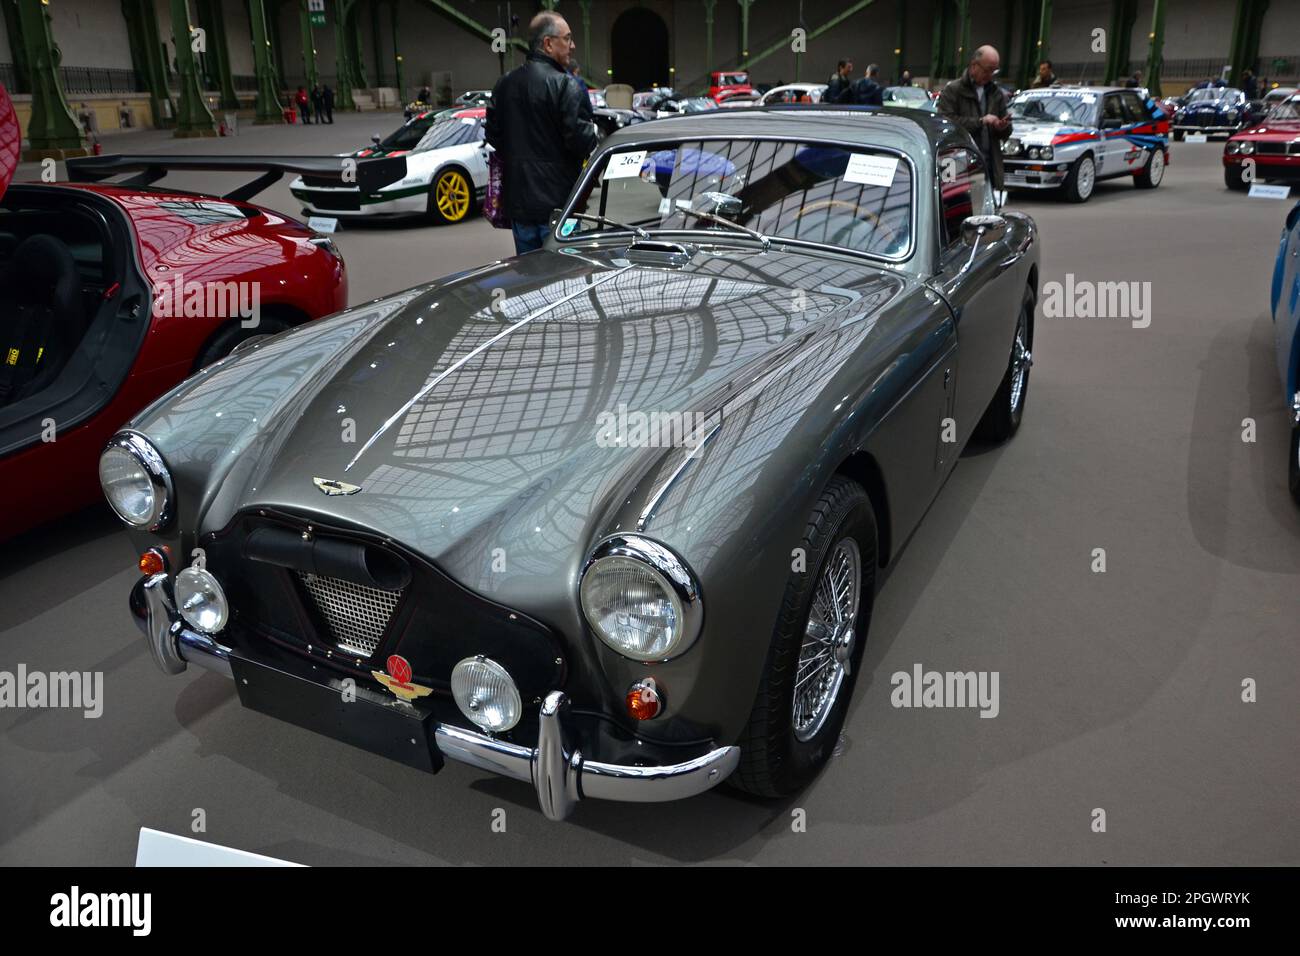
x=369 y=175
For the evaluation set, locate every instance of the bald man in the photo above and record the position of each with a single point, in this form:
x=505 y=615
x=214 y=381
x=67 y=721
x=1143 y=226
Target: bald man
x=977 y=104
x=539 y=122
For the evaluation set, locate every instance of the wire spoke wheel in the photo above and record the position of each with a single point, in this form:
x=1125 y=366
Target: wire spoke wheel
x=828 y=639
x=1021 y=361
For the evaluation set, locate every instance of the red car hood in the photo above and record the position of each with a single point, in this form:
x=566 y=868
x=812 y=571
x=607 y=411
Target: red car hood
x=10 y=140
x=1276 y=131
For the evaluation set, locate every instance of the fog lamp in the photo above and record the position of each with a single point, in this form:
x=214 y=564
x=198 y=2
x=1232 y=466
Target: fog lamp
x=486 y=694
x=201 y=600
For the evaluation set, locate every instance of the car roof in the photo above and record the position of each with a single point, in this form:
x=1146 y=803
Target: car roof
x=911 y=131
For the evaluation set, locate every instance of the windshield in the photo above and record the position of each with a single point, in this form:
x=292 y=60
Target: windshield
x=408 y=136
x=1288 y=110
x=450 y=132
x=906 y=93
x=856 y=199
x=733 y=79
x=1211 y=95
x=1055 y=107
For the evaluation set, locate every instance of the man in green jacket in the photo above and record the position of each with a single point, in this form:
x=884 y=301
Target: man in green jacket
x=977 y=104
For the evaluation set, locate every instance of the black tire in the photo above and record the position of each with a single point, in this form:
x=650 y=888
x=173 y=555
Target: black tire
x=1234 y=178
x=1153 y=173
x=774 y=762
x=1074 y=189
x=224 y=342
x=1178 y=135
x=1294 y=468
x=1001 y=419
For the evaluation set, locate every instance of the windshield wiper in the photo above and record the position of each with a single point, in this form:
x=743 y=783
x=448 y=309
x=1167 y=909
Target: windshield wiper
x=714 y=217
x=641 y=233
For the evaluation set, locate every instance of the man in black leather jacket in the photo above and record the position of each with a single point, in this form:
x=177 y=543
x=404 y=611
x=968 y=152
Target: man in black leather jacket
x=539 y=125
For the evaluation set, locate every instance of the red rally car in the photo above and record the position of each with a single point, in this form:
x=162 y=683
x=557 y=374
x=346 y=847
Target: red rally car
x=1268 y=152
x=111 y=294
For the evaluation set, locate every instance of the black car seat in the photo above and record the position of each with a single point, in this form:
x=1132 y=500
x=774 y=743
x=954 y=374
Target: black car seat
x=41 y=317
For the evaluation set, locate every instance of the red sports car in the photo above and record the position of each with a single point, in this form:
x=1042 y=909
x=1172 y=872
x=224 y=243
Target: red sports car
x=1273 y=147
x=110 y=294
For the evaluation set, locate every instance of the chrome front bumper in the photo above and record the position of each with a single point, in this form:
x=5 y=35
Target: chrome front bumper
x=560 y=775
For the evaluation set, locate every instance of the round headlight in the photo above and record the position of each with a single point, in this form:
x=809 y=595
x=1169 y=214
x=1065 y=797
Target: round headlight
x=1232 y=148
x=135 y=481
x=1247 y=147
x=1046 y=152
x=486 y=694
x=1032 y=152
x=640 y=599
x=201 y=601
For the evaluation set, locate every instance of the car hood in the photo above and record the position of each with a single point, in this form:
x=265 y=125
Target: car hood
x=478 y=411
x=1039 y=133
x=1276 y=131
x=10 y=140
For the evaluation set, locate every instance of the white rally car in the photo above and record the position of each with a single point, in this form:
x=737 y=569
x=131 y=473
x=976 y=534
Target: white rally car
x=1070 y=137
x=446 y=177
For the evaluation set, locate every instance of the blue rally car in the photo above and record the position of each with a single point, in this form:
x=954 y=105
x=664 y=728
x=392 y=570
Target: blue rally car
x=1286 y=333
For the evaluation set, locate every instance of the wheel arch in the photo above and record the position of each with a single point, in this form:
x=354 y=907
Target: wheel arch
x=862 y=467
x=290 y=314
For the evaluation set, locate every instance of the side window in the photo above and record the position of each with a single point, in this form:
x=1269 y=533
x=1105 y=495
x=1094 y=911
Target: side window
x=1135 y=108
x=1112 y=109
x=963 y=192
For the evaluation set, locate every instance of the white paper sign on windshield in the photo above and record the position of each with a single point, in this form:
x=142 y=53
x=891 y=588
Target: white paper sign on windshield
x=871 y=170
x=625 y=165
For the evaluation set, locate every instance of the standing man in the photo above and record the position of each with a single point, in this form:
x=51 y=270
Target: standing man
x=905 y=79
x=838 y=90
x=1046 y=76
x=327 y=103
x=977 y=104
x=536 y=121
x=868 y=91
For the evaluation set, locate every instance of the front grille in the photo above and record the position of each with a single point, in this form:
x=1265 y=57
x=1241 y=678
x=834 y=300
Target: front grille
x=356 y=615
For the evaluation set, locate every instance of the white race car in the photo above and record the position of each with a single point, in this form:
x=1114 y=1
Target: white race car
x=446 y=176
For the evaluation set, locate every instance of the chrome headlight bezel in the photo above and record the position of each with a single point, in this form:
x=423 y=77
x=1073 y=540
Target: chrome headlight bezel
x=1246 y=148
x=673 y=575
x=151 y=461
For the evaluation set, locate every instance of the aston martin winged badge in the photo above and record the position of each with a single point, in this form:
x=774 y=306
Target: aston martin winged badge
x=331 y=487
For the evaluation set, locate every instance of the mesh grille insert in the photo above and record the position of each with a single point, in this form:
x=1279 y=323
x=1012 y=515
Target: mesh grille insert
x=356 y=615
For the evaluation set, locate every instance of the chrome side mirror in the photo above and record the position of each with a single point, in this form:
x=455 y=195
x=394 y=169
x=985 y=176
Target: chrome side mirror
x=977 y=228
